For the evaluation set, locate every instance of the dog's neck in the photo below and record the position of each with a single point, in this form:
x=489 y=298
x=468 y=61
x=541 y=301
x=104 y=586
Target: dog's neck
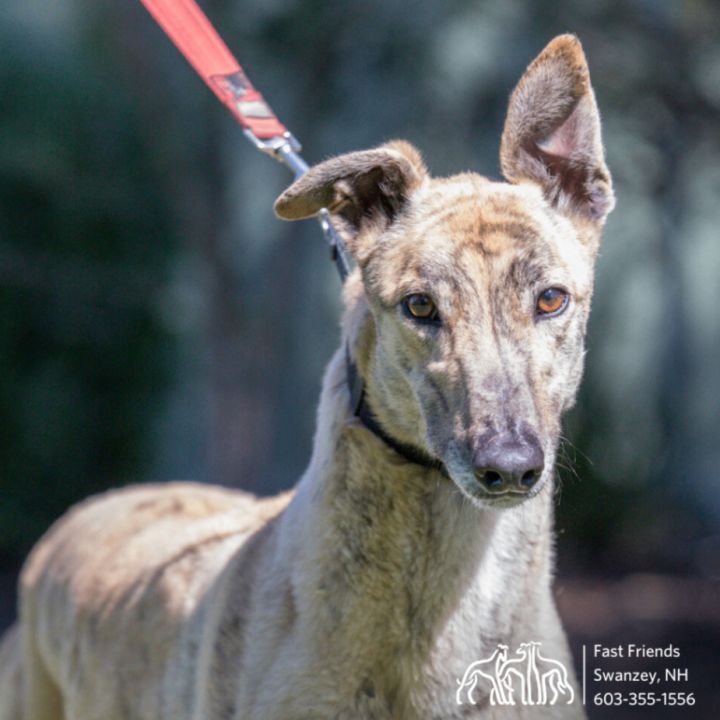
x=401 y=562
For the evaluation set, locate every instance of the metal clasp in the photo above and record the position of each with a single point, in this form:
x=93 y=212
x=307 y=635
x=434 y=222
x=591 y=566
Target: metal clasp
x=284 y=148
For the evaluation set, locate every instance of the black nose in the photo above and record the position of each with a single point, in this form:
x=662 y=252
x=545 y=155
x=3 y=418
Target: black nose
x=505 y=462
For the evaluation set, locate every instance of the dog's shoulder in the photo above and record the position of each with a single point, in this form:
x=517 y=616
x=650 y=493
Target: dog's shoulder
x=142 y=536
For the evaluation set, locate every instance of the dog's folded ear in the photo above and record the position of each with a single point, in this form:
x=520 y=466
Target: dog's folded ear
x=552 y=133
x=365 y=190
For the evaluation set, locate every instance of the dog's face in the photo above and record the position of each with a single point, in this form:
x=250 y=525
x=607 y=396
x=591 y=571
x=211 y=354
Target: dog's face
x=477 y=293
x=479 y=298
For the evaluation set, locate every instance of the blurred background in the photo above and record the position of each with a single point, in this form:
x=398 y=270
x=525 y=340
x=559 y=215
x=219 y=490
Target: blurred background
x=157 y=322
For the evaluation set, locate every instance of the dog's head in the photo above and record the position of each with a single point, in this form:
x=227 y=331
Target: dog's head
x=471 y=304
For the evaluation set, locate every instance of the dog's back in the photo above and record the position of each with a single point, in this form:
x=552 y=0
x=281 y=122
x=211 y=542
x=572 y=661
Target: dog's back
x=110 y=588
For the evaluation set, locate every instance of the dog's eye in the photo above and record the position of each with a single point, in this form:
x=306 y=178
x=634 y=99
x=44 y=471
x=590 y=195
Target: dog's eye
x=552 y=302
x=420 y=306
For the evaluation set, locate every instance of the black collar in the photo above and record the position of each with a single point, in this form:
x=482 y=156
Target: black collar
x=362 y=411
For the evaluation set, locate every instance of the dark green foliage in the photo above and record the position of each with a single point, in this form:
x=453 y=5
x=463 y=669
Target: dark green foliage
x=84 y=249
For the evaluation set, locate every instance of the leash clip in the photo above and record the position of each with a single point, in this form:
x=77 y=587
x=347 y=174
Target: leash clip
x=284 y=148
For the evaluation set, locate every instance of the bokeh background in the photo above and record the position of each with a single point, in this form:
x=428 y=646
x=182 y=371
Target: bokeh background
x=157 y=322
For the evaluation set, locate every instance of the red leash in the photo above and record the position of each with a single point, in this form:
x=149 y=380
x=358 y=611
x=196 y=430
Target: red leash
x=193 y=34
x=188 y=27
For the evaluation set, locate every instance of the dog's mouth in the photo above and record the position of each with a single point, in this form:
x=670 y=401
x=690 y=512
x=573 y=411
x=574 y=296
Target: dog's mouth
x=509 y=498
x=499 y=501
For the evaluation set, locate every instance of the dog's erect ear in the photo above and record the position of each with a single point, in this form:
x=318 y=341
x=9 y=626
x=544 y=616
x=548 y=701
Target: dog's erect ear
x=364 y=189
x=552 y=133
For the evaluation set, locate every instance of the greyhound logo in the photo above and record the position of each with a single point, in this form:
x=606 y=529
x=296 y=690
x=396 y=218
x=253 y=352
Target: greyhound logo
x=526 y=678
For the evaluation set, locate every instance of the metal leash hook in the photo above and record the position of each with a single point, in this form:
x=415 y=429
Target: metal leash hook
x=286 y=149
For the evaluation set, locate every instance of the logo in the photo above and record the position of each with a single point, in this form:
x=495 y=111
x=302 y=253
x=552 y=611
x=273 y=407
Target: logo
x=526 y=678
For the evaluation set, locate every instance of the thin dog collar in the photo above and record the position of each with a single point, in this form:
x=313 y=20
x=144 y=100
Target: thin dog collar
x=362 y=411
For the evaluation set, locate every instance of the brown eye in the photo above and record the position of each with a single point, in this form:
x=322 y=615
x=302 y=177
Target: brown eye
x=420 y=307
x=552 y=301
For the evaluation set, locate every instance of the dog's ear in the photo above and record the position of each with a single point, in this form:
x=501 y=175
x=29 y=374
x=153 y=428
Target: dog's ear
x=364 y=190
x=552 y=133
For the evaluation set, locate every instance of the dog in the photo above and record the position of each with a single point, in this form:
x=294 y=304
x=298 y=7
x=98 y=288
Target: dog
x=420 y=537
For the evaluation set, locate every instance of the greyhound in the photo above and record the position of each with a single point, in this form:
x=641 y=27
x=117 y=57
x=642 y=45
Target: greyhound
x=421 y=534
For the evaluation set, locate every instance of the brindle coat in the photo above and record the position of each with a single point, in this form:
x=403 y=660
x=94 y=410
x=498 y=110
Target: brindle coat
x=368 y=591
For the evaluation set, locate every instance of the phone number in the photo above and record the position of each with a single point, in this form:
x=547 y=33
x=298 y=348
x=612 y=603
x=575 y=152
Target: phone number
x=647 y=699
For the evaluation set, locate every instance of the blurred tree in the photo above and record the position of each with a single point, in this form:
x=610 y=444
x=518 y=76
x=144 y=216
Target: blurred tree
x=84 y=248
